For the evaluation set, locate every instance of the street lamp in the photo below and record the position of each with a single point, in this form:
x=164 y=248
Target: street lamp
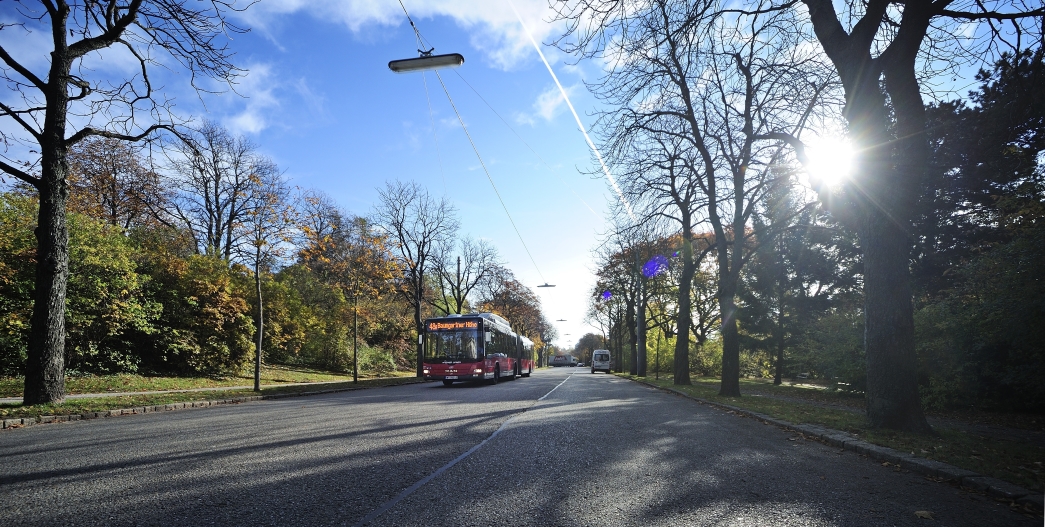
x=546 y=284
x=426 y=62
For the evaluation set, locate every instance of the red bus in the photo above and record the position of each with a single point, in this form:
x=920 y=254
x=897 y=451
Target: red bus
x=475 y=347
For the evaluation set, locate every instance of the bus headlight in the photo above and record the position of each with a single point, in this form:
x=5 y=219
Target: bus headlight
x=478 y=370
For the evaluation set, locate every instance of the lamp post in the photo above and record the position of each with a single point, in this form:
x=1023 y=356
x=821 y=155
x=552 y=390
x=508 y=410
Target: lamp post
x=355 y=331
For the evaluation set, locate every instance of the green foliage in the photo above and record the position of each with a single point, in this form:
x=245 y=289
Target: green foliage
x=106 y=299
x=205 y=327
x=17 y=262
x=375 y=361
x=706 y=359
x=984 y=343
x=832 y=349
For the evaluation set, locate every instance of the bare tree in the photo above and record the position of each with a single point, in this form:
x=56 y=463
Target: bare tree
x=463 y=265
x=692 y=93
x=51 y=112
x=218 y=178
x=417 y=224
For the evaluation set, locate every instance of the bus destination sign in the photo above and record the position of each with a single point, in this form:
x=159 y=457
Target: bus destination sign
x=453 y=325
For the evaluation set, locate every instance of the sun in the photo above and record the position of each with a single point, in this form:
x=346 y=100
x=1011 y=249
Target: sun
x=830 y=161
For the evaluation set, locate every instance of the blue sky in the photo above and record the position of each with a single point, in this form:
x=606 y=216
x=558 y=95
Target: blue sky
x=319 y=99
x=323 y=104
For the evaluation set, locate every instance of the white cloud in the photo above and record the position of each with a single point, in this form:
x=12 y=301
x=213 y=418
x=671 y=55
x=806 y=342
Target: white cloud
x=548 y=105
x=493 y=27
x=257 y=88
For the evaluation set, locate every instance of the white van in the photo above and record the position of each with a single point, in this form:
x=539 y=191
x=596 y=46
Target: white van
x=600 y=361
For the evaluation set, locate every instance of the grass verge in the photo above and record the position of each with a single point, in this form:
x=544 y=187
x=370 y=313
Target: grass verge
x=274 y=374
x=1013 y=461
x=101 y=404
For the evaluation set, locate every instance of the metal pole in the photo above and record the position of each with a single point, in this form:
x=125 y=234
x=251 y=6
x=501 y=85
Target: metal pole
x=355 y=330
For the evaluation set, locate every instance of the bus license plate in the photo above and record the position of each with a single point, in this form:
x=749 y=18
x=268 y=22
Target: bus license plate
x=451 y=377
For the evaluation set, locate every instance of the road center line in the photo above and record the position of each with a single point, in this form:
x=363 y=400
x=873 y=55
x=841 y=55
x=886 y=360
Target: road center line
x=410 y=490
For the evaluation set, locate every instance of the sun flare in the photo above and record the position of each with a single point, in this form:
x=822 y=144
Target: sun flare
x=830 y=161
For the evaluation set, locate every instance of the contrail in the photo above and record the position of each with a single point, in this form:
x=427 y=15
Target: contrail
x=605 y=169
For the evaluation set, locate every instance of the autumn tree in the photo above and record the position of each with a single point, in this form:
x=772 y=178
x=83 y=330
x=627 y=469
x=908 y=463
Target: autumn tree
x=38 y=134
x=268 y=226
x=506 y=296
x=110 y=180
x=417 y=224
x=347 y=252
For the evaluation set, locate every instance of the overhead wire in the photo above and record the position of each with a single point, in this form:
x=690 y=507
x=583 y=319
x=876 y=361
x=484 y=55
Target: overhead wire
x=488 y=176
x=421 y=42
x=523 y=141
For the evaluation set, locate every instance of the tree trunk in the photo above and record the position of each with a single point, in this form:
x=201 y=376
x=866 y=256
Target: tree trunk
x=420 y=325
x=892 y=388
x=681 y=368
x=633 y=337
x=45 y=361
x=45 y=357
x=260 y=321
x=778 y=334
x=730 y=339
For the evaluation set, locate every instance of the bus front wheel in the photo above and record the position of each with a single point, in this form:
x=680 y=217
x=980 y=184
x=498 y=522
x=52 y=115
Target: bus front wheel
x=496 y=374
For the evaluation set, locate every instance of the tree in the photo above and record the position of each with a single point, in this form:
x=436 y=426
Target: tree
x=347 y=253
x=218 y=178
x=124 y=109
x=462 y=266
x=109 y=181
x=417 y=224
x=506 y=296
x=268 y=226
x=877 y=49
x=588 y=344
x=693 y=94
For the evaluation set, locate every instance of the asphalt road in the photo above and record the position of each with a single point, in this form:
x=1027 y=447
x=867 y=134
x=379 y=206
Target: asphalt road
x=561 y=448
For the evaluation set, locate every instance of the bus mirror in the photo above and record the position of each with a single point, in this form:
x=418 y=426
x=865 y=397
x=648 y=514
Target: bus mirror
x=489 y=336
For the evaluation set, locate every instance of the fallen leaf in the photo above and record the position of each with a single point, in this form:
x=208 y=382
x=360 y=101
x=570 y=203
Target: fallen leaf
x=925 y=515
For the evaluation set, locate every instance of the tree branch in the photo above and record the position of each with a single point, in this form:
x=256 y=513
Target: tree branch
x=34 y=181
x=87 y=132
x=14 y=115
x=112 y=33
x=10 y=61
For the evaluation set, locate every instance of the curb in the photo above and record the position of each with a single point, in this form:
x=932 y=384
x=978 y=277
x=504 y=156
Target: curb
x=936 y=469
x=22 y=422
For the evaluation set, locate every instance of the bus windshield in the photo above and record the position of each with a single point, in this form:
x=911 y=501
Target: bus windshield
x=455 y=345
